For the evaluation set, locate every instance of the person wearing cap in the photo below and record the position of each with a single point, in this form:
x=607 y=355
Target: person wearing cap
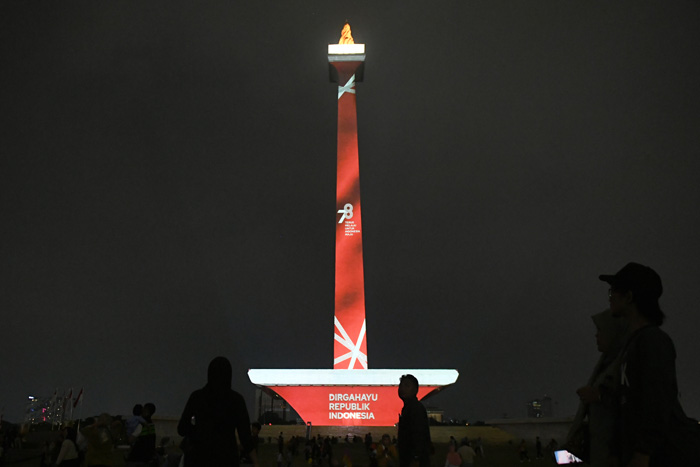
x=652 y=429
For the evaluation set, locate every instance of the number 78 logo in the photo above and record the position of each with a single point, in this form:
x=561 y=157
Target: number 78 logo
x=346 y=213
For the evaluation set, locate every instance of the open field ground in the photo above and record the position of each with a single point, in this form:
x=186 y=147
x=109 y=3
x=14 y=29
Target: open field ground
x=496 y=455
x=500 y=449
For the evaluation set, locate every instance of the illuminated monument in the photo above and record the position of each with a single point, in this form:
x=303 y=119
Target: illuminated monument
x=350 y=393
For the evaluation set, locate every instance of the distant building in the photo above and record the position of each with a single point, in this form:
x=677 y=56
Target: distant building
x=540 y=408
x=435 y=413
x=46 y=409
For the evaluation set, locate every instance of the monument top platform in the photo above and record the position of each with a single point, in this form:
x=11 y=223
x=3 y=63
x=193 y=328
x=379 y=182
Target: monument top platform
x=290 y=377
x=346 y=49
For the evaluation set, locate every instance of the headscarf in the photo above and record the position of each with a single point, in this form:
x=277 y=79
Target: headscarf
x=219 y=375
x=613 y=330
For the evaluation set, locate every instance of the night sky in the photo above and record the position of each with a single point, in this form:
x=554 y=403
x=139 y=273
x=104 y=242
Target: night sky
x=167 y=191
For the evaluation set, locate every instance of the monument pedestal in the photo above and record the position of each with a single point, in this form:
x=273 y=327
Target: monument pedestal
x=348 y=397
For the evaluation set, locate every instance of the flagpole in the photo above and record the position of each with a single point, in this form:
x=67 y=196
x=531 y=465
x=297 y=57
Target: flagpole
x=70 y=396
x=81 y=404
x=52 y=412
x=79 y=399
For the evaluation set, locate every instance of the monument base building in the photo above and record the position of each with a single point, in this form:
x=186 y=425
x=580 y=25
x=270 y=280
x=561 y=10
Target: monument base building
x=348 y=397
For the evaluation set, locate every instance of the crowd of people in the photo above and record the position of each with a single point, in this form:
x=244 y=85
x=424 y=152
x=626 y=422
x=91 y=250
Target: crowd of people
x=106 y=441
x=98 y=441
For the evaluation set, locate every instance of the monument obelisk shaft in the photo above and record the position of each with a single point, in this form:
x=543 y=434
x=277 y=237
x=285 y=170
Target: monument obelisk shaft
x=350 y=344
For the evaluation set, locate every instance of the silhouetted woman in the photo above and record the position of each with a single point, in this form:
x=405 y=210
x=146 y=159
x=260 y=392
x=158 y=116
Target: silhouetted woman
x=211 y=419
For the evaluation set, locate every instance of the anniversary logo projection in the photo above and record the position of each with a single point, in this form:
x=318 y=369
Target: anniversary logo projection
x=350 y=393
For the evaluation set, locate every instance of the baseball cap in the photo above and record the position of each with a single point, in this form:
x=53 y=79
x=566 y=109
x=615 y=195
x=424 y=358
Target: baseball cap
x=642 y=280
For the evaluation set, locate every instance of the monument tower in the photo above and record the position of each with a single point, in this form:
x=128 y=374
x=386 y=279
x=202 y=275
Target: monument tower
x=350 y=393
x=346 y=63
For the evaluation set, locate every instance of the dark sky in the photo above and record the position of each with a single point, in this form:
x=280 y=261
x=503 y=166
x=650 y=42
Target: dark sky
x=167 y=191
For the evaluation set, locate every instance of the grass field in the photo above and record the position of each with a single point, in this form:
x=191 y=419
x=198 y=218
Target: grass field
x=500 y=449
x=496 y=455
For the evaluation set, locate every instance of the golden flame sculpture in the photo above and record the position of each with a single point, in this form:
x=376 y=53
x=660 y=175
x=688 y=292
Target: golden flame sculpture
x=346 y=35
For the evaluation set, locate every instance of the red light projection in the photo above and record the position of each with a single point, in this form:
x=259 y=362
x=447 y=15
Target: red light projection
x=347 y=405
x=350 y=346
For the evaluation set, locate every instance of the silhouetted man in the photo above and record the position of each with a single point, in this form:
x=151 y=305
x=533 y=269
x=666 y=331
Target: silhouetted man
x=414 y=430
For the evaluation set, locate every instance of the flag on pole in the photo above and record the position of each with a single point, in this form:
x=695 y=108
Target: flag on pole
x=78 y=397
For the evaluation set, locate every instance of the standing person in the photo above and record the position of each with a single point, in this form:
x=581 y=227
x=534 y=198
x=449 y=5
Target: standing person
x=522 y=452
x=212 y=417
x=467 y=454
x=327 y=451
x=368 y=441
x=143 y=449
x=453 y=459
x=479 y=447
x=414 y=430
x=551 y=447
x=594 y=423
x=453 y=441
x=135 y=421
x=653 y=429
x=255 y=428
x=387 y=456
x=69 y=456
x=100 y=442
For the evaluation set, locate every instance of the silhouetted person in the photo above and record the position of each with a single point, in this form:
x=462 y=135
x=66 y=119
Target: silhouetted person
x=212 y=417
x=453 y=458
x=479 y=447
x=327 y=451
x=69 y=455
x=453 y=441
x=414 y=429
x=143 y=449
x=134 y=421
x=595 y=419
x=100 y=442
x=654 y=430
x=387 y=455
x=255 y=428
x=522 y=452
x=467 y=454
